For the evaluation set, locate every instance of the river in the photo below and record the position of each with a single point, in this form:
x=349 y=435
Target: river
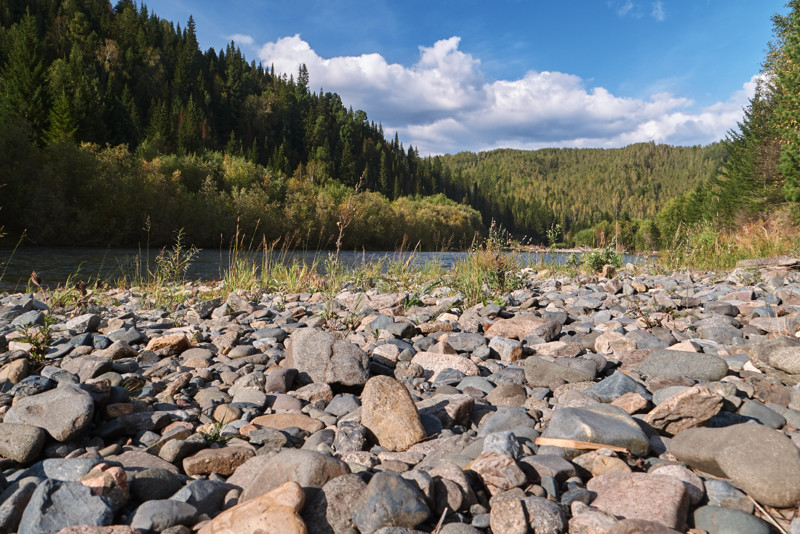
x=57 y=265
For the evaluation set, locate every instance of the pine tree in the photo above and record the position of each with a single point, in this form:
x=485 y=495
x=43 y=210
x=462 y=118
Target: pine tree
x=788 y=100
x=22 y=76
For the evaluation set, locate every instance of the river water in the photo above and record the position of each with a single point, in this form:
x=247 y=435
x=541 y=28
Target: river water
x=56 y=265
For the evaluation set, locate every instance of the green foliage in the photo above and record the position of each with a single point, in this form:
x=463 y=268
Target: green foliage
x=38 y=337
x=597 y=259
x=788 y=101
x=531 y=191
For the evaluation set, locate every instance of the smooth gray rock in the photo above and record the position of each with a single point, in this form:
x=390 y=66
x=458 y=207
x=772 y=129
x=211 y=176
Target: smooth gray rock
x=389 y=501
x=677 y=364
x=21 y=443
x=761 y=461
x=88 y=322
x=56 y=504
x=158 y=515
x=722 y=493
x=601 y=423
x=763 y=414
x=542 y=373
x=616 y=386
x=719 y=520
x=64 y=412
x=310 y=469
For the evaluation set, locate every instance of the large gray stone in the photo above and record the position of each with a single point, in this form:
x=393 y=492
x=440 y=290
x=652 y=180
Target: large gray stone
x=310 y=469
x=158 y=515
x=389 y=501
x=55 y=505
x=331 y=509
x=64 y=412
x=677 y=364
x=542 y=373
x=601 y=423
x=761 y=461
x=320 y=357
x=21 y=443
x=719 y=520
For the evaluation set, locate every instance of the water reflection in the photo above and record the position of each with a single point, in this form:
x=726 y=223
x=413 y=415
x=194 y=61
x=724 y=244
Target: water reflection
x=56 y=265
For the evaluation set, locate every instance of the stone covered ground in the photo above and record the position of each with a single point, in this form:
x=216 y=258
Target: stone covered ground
x=638 y=403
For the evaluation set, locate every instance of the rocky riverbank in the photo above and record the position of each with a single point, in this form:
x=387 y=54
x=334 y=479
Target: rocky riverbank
x=635 y=403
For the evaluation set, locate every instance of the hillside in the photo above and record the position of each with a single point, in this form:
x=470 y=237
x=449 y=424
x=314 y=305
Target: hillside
x=528 y=191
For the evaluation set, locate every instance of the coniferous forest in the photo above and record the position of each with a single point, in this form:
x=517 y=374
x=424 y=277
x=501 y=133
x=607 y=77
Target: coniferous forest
x=115 y=127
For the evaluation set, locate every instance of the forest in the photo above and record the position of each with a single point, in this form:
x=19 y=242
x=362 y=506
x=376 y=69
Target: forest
x=116 y=129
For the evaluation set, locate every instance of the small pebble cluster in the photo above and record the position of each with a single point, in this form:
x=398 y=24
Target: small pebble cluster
x=625 y=403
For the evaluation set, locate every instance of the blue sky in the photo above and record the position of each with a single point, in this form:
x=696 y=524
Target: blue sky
x=452 y=75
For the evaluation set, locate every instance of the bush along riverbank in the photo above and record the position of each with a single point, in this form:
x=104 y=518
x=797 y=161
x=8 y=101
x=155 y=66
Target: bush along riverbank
x=561 y=403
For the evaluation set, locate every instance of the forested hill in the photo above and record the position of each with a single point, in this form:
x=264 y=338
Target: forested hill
x=115 y=128
x=529 y=191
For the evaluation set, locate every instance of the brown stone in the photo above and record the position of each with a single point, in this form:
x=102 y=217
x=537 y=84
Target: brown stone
x=633 y=495
x=223 y=461
x=277 y=511
x=434 y=363
x=108 y=481
x=516 y=327
x=631 y=402
x=499 y=472
x=174 y=342
x=15 y=371
x=286 y=420
x=687 y=409
x=388 y=411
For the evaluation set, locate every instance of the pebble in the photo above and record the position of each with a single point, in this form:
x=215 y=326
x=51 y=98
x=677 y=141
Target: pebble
x=255 y=412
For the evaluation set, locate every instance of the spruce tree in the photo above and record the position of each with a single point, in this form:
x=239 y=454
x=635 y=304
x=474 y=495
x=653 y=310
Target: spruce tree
x=788 y=100
x=22 y=76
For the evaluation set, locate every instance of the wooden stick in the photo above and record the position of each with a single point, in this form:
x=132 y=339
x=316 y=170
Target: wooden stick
x=441 y=520
x=768 y=516
x=573 y=444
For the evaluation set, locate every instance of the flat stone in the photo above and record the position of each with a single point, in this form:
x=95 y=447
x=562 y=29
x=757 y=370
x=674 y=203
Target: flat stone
x=159 y=515
x=499 y=472
x=689 y=408
x=693 y=483
x=64 y=412
x=277 y=510
x=761 y=461
x=601 y=423
x=174 y=342
x=615 y=386
x=632 y=495
x=389 y=413
x=261 y=474
x=677 y=364
x=542 y=373
x=516 y=327
x=719 y=520
x=433 y=364
x=287 y=420
x=223 y=461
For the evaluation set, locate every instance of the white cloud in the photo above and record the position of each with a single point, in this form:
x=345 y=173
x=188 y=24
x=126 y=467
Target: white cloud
x=444 y=103
x=658 y=11
x=242 y=39
x=624 y=8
